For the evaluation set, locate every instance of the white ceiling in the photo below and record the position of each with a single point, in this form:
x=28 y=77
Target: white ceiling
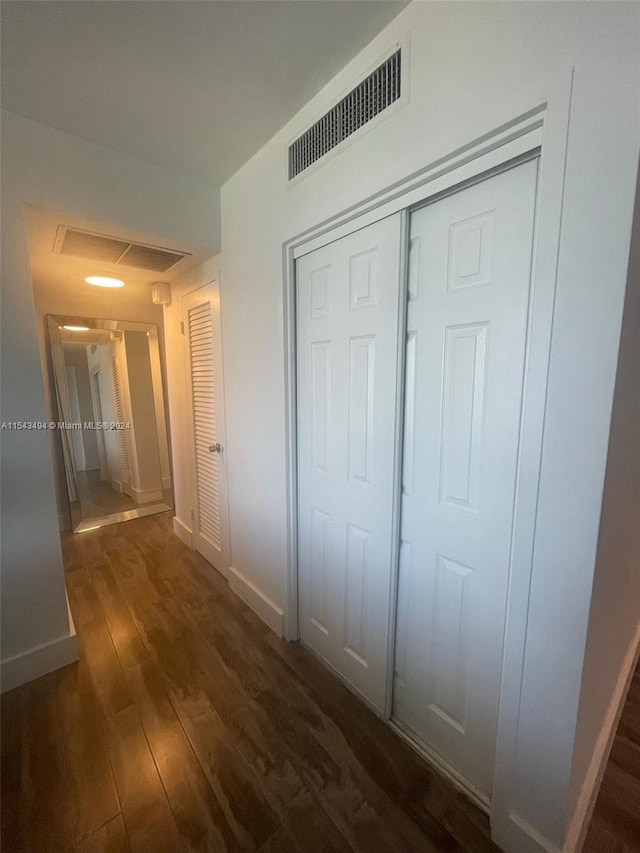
x=196 y=87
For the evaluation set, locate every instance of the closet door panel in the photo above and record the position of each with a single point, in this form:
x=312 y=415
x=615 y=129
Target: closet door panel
x=348 y=297
x=469 y=274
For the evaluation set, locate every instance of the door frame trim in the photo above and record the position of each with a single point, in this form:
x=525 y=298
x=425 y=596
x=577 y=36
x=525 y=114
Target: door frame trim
x=542 y=122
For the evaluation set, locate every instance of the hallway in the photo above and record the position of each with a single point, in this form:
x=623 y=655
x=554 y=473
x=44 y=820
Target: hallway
x=188 y=725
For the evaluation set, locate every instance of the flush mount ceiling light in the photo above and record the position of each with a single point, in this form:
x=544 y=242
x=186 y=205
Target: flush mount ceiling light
x=76 y=328
x=104 y=281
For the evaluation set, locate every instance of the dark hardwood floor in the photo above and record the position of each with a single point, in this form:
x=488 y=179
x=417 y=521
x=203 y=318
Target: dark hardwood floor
x=188 y=726
x=615 y=826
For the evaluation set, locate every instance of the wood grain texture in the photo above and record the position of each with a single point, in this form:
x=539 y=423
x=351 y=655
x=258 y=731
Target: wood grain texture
x=110 y=838
x=189 y=726
x=615 y=825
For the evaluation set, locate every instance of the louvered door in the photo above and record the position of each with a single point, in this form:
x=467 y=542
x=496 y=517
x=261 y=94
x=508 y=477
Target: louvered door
x=204 y=371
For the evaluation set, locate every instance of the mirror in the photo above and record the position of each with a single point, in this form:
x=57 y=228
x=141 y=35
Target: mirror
x=111 y=419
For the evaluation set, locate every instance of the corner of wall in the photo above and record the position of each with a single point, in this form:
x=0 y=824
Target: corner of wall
x=613 y=638
x=38 y=661
x=517 y=834
x=183 y=531
x=581 y=818
x=269 y=612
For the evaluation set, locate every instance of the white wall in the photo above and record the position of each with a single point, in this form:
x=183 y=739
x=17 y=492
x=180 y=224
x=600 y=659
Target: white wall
x=614 y=621
x=54 y=170
x=469 y=64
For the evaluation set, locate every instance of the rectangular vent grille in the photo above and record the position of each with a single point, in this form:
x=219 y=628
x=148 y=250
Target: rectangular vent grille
x=149 y=258
x=100 y=247
x=378 y=91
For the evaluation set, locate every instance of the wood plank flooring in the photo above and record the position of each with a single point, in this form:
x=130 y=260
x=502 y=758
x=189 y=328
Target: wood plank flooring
x=98 y=498
x=615 y=825
x=188 y=726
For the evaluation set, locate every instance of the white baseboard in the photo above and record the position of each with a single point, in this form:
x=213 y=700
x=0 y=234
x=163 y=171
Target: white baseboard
x=182 y=531
x=146 y=496
x=72 y=624
x=519 y=835
x=581 y=819
x=37 y=662
x=257 y=601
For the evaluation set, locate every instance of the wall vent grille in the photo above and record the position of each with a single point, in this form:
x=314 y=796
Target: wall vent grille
x=103 y=247
x=377 y=92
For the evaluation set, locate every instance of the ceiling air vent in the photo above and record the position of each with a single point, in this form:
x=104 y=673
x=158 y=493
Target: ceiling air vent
x=113 y=250
x=377 y=92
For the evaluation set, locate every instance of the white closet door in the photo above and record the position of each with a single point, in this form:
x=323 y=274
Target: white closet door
x=205 y=392
x=348 y=295
x=469 y=272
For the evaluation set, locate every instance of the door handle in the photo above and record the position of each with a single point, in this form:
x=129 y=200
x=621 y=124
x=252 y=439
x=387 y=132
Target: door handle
x=215 y=448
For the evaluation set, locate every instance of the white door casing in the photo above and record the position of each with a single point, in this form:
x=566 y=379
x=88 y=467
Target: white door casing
x=348 y=296
x=469 y=278
x=205 y=403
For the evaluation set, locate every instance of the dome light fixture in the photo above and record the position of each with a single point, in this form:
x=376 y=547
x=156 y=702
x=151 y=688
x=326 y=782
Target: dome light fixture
x=104 y=281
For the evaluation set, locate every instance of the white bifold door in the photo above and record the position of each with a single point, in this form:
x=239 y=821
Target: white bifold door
x=469 y=273
x=348 y=296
